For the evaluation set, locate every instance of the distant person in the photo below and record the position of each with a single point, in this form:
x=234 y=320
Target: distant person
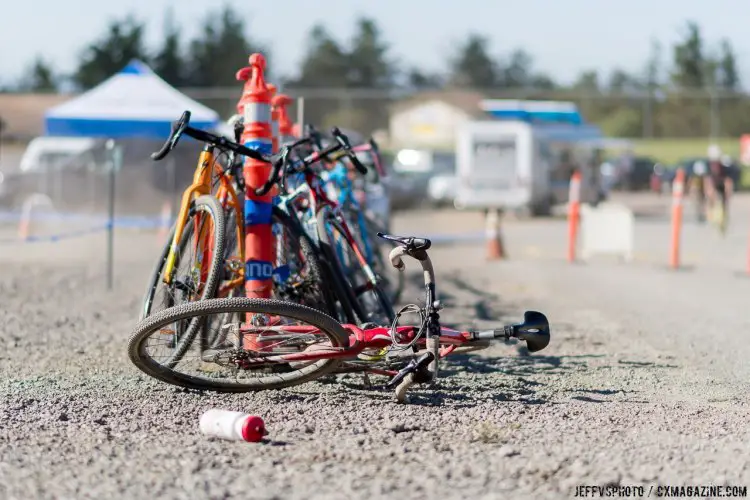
x=697 y=188
x=719 y=184
x=625 y=170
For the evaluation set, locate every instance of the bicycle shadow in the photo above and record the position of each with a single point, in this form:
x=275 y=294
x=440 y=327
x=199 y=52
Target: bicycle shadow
x=469 y=379
x=645 y=364
x=519 y=379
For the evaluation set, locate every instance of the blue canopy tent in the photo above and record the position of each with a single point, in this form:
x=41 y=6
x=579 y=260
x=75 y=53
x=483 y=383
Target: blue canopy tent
x=134 y=103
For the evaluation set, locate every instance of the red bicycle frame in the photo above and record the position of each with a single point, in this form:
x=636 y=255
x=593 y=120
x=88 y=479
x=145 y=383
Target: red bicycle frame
x=359 y=340
x=319 y=199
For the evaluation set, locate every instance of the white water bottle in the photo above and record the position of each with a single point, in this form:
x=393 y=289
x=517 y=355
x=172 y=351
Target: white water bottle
x=233 y=425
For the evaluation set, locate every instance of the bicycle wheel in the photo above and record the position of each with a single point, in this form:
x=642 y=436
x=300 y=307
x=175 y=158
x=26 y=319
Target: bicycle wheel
x=193 y=278
x=231 y=283
x=370 y=303
x=376 y=251
x=300 y=275
x=287 y=330
x=332 y=280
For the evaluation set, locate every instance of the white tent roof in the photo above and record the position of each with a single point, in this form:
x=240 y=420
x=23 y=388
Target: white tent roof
x=134 y=102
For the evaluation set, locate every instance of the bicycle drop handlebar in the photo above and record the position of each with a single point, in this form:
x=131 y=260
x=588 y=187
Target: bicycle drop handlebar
x=181 y=127
x=317 y=139
x=278 y=161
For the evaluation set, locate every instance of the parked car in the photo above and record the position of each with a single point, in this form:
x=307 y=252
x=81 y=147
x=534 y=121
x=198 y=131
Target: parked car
x=633 y=177
x=412 y=171
x=608 y=176
x=441 y=190
x=661 y=178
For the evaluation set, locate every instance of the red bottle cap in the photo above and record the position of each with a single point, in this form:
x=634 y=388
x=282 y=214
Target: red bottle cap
x=253 y=429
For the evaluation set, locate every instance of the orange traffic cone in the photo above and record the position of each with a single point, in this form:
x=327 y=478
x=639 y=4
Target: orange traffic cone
x=23 y=228
x=165 y=219
x=494 y=239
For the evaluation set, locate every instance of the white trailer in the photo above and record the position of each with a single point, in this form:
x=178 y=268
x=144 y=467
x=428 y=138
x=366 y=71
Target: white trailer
x=515 y=164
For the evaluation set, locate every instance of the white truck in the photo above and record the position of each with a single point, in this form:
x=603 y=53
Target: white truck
x=519 y=164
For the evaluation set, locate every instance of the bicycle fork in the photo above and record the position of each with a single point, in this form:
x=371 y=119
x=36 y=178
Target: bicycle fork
x=424 y=368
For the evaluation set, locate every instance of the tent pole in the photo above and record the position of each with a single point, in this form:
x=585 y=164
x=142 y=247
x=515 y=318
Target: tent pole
x=114 y=160
x=301 y=114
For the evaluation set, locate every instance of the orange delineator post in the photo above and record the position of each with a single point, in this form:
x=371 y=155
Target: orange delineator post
x=494 y=241
x=257 y=134
x=678 y=189
x=286 y=125
x=274 y=118
x=275 y=139
x=274 y=192
x=574 y=214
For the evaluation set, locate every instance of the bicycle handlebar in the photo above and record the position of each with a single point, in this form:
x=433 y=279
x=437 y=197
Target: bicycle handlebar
x=181 y=127
x=176 y=130
x=347 y=147
x=282 y=159
x=342 y=140
x=314 y=135
x=278 y=161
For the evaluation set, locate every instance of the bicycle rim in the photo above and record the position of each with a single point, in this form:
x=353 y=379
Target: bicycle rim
x=200 y=277
x=373 y=304
x=232 y=368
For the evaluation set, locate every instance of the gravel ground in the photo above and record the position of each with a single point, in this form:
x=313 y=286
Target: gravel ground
x=645 y=382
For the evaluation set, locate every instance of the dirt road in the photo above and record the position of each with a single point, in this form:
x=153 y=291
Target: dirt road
x=645 y=382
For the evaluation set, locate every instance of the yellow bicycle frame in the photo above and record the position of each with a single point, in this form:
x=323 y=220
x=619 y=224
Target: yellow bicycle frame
x=202 y=186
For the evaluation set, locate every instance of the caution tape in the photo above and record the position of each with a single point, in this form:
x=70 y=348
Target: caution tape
x=120 y=221
x=54 y=238
x=129 y=223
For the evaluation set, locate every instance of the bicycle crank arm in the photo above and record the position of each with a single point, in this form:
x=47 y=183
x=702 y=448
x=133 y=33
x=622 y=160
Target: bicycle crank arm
x=534 y=331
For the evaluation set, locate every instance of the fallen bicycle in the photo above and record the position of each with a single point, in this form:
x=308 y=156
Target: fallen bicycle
x=283 y=344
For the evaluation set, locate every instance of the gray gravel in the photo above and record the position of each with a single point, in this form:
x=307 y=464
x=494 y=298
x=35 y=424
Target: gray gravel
x=645 y=382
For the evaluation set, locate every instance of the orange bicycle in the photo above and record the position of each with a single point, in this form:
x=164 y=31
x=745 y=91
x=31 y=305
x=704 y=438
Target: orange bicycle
x=191 y=265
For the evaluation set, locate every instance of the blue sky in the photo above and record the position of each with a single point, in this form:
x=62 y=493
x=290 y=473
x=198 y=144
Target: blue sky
x=564 y=36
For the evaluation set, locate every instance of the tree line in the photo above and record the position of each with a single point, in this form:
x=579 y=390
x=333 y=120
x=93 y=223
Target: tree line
x=678 y=93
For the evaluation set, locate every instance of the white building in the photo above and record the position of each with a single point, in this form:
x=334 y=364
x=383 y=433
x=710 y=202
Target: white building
x=429 y=120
